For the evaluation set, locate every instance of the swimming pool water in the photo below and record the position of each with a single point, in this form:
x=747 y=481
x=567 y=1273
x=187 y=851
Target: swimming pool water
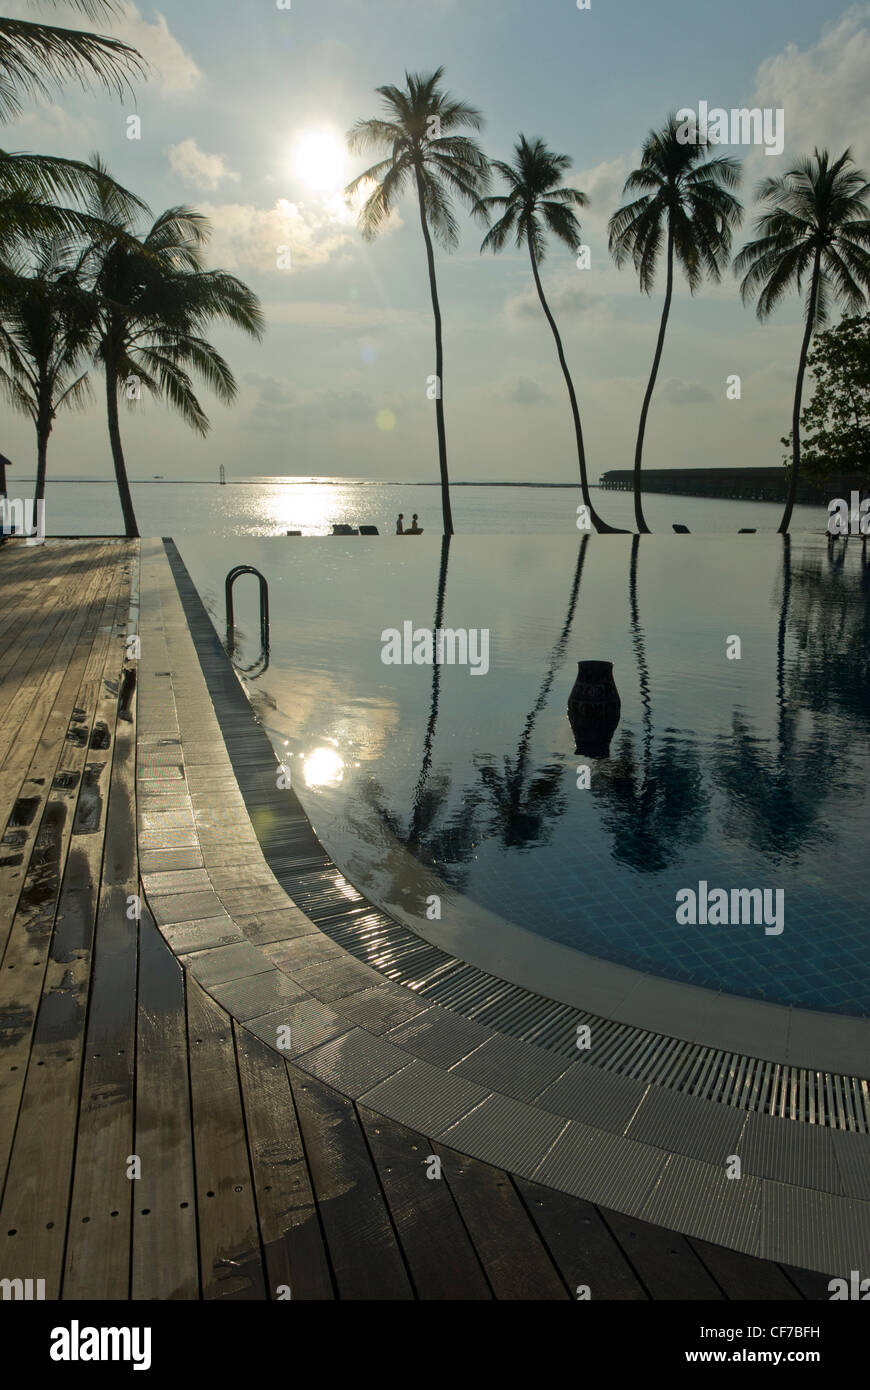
x=740 y=771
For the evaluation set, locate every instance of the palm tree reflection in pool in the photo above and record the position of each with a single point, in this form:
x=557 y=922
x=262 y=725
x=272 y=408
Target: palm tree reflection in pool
x=652 y=803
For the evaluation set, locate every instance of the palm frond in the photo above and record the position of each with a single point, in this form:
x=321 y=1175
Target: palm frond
x=34 y=58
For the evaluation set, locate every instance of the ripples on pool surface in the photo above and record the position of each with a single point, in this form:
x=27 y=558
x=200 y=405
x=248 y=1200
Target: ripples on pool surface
x=742 y=773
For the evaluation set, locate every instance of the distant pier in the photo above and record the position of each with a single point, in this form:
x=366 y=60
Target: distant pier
x=736 y=484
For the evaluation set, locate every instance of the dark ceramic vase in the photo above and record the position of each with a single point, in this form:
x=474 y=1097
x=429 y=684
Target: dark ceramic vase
x=594 y=708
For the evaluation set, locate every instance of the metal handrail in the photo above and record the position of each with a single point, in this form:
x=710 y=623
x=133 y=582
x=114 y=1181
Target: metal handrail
x=264 y=606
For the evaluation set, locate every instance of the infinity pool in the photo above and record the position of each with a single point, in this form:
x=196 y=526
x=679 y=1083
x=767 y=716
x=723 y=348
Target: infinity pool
x=740 y=760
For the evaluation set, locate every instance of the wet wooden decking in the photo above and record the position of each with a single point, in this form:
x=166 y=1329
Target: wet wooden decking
x=253 y=1180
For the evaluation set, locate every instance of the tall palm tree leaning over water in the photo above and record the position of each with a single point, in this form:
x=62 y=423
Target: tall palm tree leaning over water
x=814 y=229
x=417 y=131
x=687 y=203
x=151 y=301
x=535 y=196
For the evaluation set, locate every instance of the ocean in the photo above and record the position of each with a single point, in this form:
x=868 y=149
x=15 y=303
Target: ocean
x=273 y=506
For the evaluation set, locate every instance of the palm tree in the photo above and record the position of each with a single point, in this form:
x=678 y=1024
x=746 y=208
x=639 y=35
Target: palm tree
x=44 y=334
x=535 y=196
x=34 y=57
x=151 y=301
x=815 y=228
x=685 y=201
x=417 y=131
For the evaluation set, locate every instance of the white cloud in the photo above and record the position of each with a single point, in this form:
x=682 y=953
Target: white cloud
x=822 y=89
x=197 y=167
x=172 y=70
x=245 y=235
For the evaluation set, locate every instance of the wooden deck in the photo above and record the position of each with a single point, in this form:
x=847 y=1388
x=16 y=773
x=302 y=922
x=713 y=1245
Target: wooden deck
x=153 y=1148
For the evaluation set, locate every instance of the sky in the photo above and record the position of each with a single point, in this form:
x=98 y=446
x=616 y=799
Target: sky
x=243 y=117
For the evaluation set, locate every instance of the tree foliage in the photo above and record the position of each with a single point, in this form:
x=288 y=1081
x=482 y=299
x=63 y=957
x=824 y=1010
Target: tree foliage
x=835 y=426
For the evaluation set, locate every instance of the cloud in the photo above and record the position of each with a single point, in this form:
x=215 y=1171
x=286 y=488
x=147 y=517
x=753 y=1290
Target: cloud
x=52 y=127
x=173 y=70
x=563 y=298
x=526 y=392
x=277 y=408
x=822 y=89
x=283 y=238
x=196 y=167
x=679 y=392
x=319 y=313
x=603 y=185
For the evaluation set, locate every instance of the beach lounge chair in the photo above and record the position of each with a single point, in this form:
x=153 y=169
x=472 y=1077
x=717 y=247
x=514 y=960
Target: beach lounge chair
x=680 y=530
x=746 y=531
x=341 y=529
x=369 y=531
x=294 y=533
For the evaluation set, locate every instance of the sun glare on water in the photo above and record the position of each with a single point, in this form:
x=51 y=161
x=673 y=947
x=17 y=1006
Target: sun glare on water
x=320 y=161
x=323 y=768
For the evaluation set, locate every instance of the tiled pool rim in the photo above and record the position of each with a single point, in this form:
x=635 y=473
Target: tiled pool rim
x=635 y=1130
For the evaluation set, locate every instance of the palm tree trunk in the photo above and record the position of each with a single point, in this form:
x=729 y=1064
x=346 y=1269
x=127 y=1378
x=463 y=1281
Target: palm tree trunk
x=641 y=431
x=42 y=434
x=439 y=368
x=597 y=522
x=798 y=393
x=130 y=527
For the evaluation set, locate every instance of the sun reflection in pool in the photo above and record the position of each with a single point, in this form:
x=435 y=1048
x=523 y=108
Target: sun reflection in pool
x=323 y=768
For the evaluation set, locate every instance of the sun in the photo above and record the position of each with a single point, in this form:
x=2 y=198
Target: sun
x=320 y=161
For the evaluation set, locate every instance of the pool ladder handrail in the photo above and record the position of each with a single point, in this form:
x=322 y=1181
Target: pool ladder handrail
x=230 y=580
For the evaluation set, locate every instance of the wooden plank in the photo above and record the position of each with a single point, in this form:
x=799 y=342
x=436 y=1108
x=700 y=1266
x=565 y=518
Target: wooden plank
x=32 y=657
x=53 y=755
x=441 y=1259
x=48 y=952
x=580 y=1244
x=809 y=1284
x=38 y=579
x=363 y=1248
x=98 y=1240
x=22 y=592
x=742 y=1276
x=231 y=1265
x=664 y=1260
x=290 y=1230
x=508 y=1245
x=37 y=1187
x=165 y=1261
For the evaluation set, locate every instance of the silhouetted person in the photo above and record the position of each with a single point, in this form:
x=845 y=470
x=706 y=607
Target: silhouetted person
x=415 y=530
x=400 y=528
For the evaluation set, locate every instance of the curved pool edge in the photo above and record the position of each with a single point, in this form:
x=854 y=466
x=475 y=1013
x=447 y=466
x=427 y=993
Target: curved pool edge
x=729 y=1022
x=637 y=1147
